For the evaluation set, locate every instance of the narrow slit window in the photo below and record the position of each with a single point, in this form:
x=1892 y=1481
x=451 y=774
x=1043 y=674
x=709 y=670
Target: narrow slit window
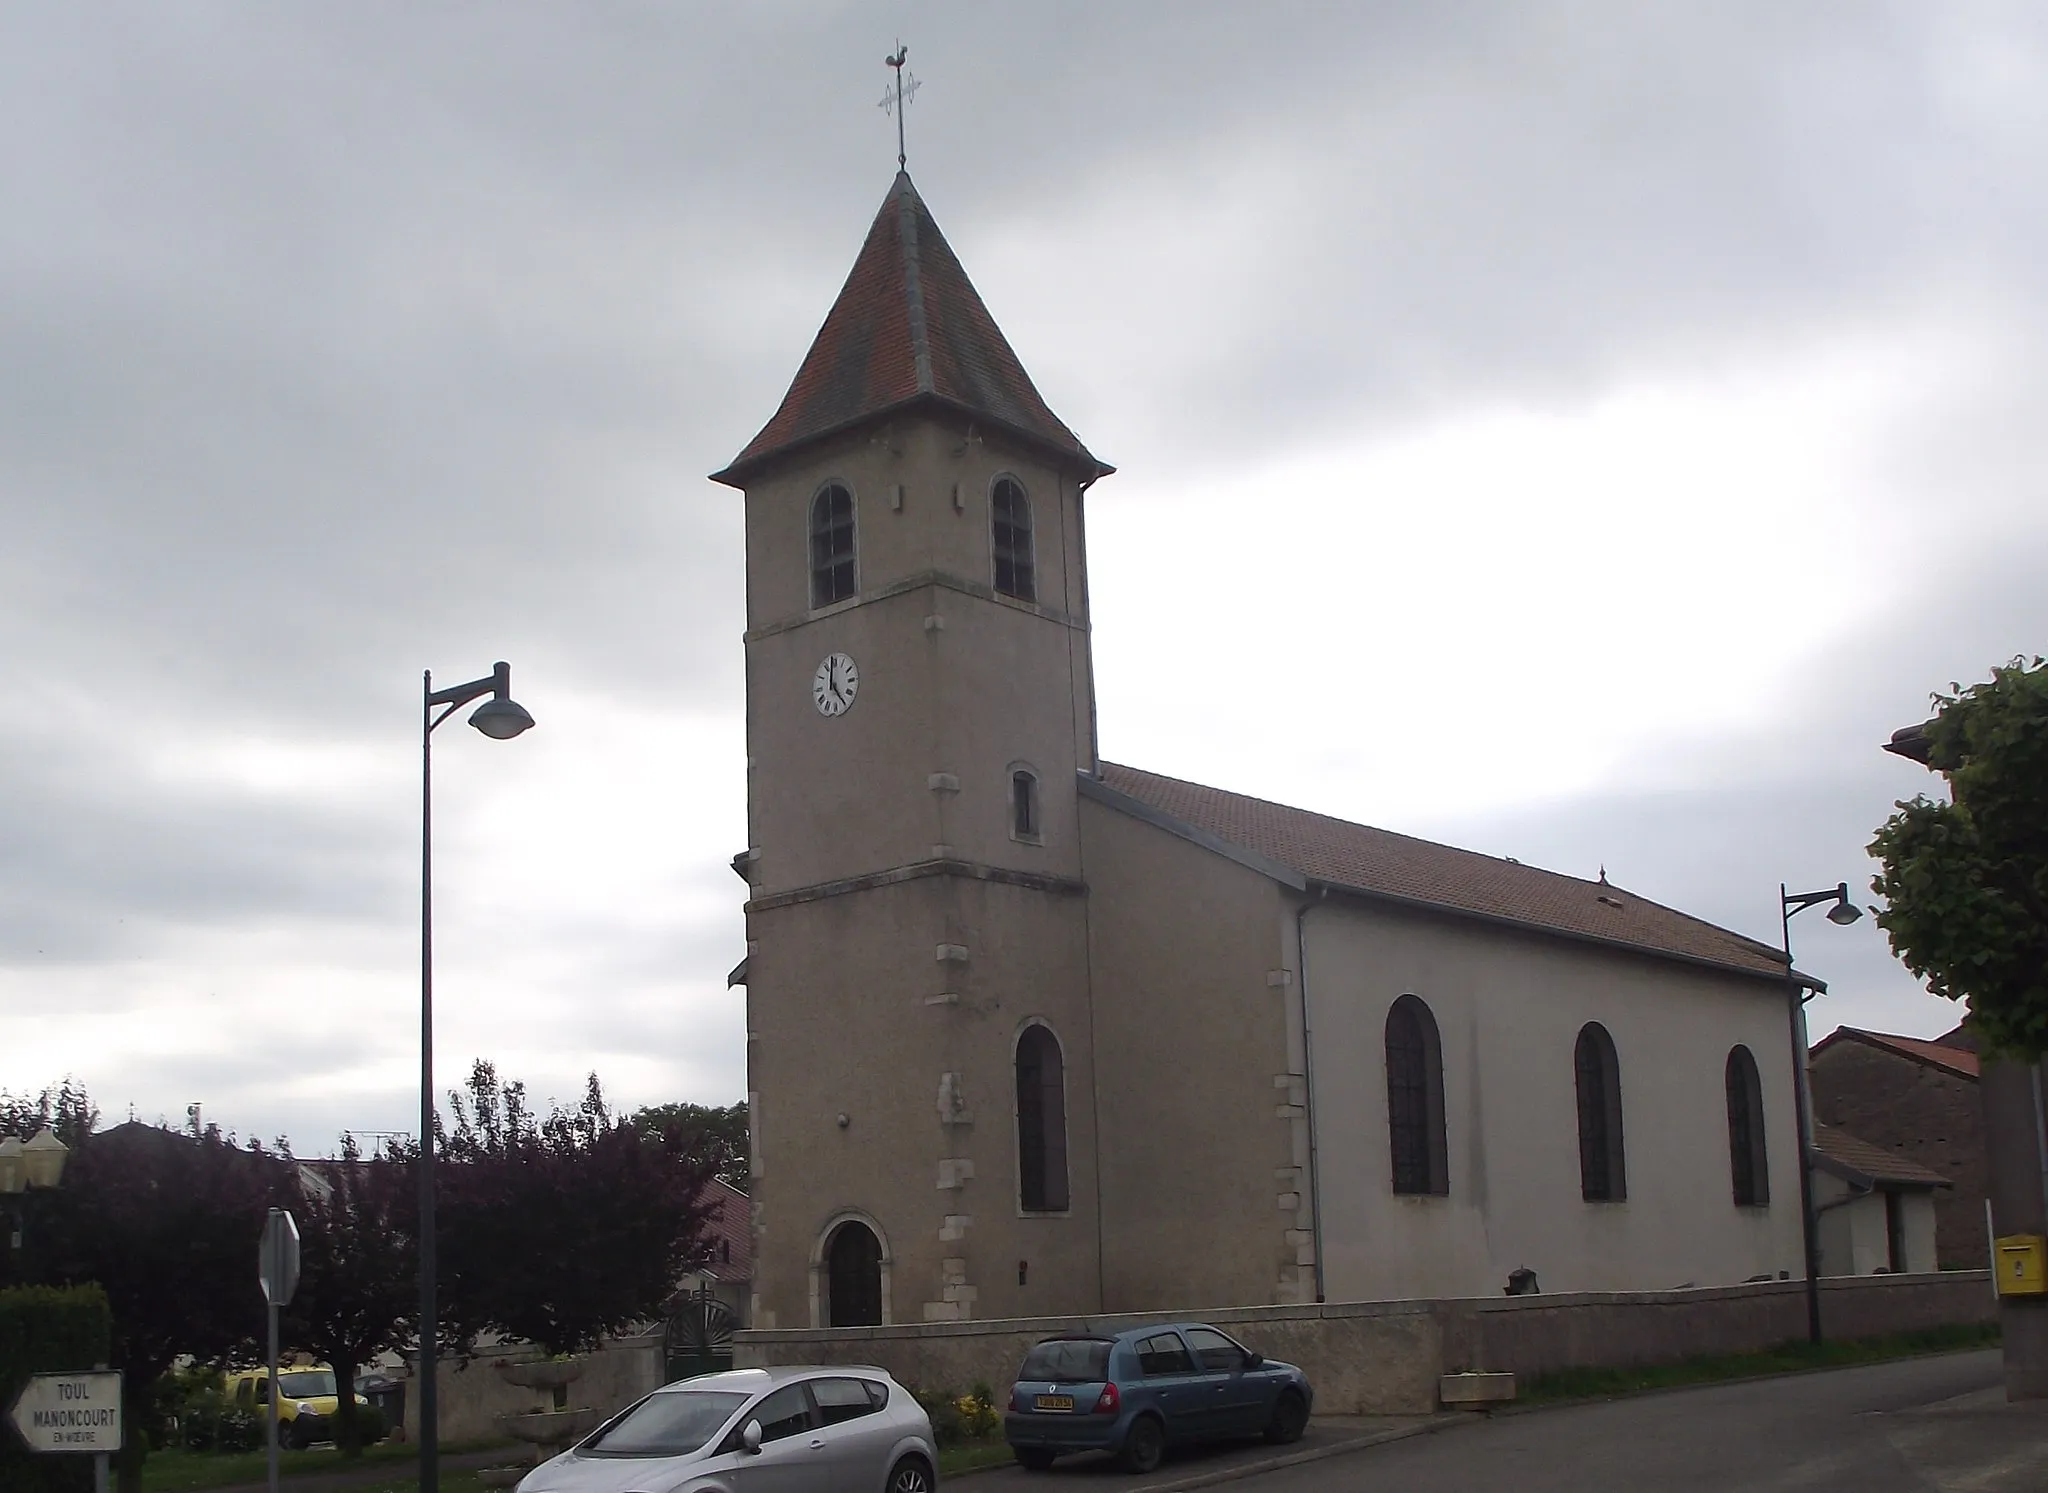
x=832 y=547
x=1024 y=805
x=1010 y=514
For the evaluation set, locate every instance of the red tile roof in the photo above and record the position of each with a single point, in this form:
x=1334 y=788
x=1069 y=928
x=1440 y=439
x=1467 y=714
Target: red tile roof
x=1870 y=1163
x=1380 y=863
x=1935 y=1054
x=908 y=328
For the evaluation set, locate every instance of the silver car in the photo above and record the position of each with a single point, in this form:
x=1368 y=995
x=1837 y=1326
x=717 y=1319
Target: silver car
x=782 y=1430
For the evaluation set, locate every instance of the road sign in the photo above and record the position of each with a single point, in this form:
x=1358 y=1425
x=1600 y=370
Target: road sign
x=69 y=1412
x=277 y=1258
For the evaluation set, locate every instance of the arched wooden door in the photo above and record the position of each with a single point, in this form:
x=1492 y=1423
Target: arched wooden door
x=853 y=1280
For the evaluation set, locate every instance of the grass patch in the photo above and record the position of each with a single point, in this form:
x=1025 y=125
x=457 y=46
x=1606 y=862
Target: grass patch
x=1786 y=1358
x=175 y=1470
x=972 y=1456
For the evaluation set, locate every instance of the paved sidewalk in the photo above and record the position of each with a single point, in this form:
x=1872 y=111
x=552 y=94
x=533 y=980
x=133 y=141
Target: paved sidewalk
x=1327 y=1436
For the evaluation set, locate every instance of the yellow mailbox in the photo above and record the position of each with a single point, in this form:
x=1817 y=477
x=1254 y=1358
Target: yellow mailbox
x=2022 y=1265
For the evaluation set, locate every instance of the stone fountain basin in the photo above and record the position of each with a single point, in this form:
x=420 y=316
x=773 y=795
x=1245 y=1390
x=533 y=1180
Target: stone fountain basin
x=543 y=1373
x=550 y=1427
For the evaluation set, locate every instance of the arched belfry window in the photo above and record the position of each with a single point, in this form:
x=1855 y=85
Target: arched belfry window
x=853 y=1276
x=1748 y=1165
x=1010 y=521
x=1603 y=1176
x=1041 y=1122
x=831 y=544
x=1415 y=1099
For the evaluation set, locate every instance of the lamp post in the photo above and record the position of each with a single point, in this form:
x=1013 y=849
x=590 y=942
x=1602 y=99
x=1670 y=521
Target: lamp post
x=37 y=1163
x=500 y=718
x=1842 y=914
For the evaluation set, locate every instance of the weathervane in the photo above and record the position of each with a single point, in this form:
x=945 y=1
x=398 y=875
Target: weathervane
x=897 y=97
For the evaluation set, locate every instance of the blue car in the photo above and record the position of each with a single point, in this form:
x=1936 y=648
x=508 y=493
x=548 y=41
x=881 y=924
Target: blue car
x=1142 y=1391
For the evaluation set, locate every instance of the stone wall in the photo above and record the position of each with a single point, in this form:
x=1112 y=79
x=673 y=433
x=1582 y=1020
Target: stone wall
x=472 y=1396
x=1384 y=1357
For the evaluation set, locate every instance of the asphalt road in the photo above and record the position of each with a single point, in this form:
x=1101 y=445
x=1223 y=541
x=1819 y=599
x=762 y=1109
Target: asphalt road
x=1929 y=1425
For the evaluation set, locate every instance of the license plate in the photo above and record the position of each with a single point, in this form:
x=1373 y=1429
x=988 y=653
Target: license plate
x=1054 y=1402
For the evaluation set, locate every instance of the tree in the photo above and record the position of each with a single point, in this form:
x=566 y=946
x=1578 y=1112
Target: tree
x=723 y=1130
x=358 y=1296
x=65 y=1108
x=563 y=1230
x=1965 y=883
x=167 y=1222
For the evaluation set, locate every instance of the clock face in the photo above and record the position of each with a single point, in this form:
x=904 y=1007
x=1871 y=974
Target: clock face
x=835 y=684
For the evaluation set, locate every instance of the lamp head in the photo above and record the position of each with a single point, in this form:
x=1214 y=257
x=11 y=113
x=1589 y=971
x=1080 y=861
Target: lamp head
x=1844 y=913
x=501 y=719
x=13 y=1177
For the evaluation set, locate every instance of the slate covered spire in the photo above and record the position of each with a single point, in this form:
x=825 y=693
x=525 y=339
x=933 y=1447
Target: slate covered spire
x=908 y=330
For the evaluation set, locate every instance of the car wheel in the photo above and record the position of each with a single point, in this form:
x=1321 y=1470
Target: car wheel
x=292 y=1436
x=911 y=1475
x=1290 y=1419
x=1144 y=1445
x=1034 y=1460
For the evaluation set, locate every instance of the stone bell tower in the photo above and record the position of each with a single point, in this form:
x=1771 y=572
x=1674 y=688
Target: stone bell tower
x=919 y=702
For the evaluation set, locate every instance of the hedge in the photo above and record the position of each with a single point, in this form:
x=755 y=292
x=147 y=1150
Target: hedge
x=45 y=1330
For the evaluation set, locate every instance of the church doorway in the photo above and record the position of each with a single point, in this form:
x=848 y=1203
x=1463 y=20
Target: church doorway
x=853 y=1276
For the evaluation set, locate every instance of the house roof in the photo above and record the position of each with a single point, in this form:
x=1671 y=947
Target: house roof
x=1940 y=1053
x=1858 y=1161
x=730 y=1230
x=1316 y=848
x=908 y=329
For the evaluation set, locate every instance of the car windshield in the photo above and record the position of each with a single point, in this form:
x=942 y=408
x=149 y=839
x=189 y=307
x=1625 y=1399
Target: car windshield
x=668 y=1424
x=306 y=1383
x=1075 y=1360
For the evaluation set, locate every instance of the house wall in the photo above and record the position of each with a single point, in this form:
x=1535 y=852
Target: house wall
x=1204 y=1134
x=1854 y=1231
x=1509 y=1008
x=1385 y=1357
x=1922 y=1114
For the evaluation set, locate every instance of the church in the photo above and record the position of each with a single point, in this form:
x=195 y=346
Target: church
x=1030 y=1033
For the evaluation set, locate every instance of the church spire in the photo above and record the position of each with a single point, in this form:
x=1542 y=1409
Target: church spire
x=909 y=330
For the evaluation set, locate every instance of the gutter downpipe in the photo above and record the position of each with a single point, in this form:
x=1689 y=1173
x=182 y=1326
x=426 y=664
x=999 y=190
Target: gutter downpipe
x=1308 y=1084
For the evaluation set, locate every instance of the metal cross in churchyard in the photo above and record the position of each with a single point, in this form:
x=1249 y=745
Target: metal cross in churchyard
x=897 y=97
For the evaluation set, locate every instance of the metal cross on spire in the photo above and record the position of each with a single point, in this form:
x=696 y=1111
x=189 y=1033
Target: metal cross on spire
x=897 y=97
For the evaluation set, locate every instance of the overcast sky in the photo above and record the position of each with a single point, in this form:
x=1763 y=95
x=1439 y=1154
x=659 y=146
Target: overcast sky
x=1580 y=432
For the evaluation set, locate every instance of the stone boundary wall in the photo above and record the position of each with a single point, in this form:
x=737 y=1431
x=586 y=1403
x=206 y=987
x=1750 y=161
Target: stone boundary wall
x=472 y=1396
x=1384 y=1357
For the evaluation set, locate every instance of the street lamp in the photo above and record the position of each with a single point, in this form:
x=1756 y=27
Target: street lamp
x=37 y=1163
x=501 y=718
x=1842 y=914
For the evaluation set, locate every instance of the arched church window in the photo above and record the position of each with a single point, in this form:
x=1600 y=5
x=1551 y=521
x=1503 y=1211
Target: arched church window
x=1747 y=1163
x=1010 y=515
x=1415 y=1099
x=853 y=1276
x=831 y=544
x=1603 y=1177
x=1041 y=1122
x=1024 y=823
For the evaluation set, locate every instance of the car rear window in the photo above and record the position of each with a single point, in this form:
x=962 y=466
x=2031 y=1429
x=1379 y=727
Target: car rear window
x=668 y=1424
x=1067 y=1359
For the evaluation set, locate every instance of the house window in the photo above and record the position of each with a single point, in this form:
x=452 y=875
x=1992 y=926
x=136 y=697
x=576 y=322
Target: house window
x=1603 y=1178
x=1746 y=1161
x=1010 y=518
x=1415 y=1100
x=1041 y=1122
x=853 y=1276
x=1024 y=804
x=831 y=544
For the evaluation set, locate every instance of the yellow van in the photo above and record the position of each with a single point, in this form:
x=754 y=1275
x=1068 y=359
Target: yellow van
x=306 y=1401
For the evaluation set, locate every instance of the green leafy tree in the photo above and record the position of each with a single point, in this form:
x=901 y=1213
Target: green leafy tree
x=1965 y=883
x=722 y=1128
x=167 y=1223
x=568 y=1228
x=358 y=1295
x=65 y=1108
